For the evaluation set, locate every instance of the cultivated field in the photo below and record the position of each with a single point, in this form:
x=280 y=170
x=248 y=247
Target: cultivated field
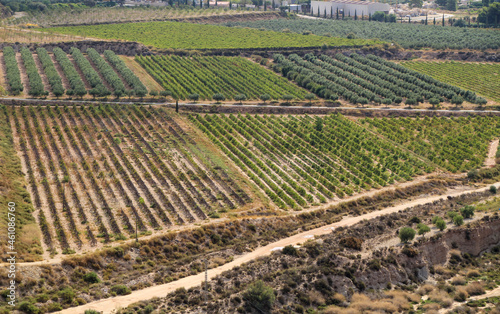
x=406 y=35
x=304 y=161
x=206 y=76
x=96 y=172
x=482 y=78
x=370 y=79
x=85 y=16
x=457 y=144
x=41 y=74
x=177 y=35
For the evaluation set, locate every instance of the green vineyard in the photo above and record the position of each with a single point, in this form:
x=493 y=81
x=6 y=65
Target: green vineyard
x=302 y=161
x=177 y=35
x=456 y=144
x=206 y=76
x=482 y=78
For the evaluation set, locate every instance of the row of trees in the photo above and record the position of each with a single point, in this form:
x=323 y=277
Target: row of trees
x=129 y=76
x=50 y=71
x=74 y=79
x=107 y=72
x=12 y=71
x=36 y=87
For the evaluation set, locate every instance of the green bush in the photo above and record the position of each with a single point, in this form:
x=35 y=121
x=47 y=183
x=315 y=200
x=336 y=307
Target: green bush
x=458 y=220
x=440 y=224
x=289 y=250
x=67 y=295
x=120 y=290
x=493 y=189
x=423 y=228
x=28 y=308
x=91 y=277
x=406 y=234
x=467 y=211
x=259 y=295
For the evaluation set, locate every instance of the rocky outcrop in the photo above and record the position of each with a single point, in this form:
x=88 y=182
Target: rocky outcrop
x=473 y=241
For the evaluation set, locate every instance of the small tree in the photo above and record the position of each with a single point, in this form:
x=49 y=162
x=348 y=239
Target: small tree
x=457 y=100
x=362 y=101
x=406 y=234
x=387 y=101
x=434 y=102
x=194 y=97
x=310 y=97
x=493 y=189
x=289 y=250
x=265 y=97
x=240 y=98
x=260 y=296
x=153 y=93
x=423 y=228
x=481 y=102
x=411 y=102
x=218 y=97
x=287 y=98
x=440 y=224
x=467 y=211
x=165 y=93
x=458 y=220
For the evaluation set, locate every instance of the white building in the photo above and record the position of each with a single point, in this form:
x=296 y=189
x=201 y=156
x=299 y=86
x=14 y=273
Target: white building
x=349 y=7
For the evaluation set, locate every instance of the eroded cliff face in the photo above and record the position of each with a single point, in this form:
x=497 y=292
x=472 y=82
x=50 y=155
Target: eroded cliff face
x=474 y=241
x=413 y=264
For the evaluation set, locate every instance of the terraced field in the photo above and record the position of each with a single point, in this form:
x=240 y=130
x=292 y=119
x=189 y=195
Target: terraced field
x=177 y=35
x=302 y=161
x=206 y=76
x=73 y=74
x=96 y=172
x=482 y=78
x=456 y=144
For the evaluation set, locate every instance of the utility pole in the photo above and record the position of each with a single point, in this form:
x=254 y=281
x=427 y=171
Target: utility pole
x=206 y=281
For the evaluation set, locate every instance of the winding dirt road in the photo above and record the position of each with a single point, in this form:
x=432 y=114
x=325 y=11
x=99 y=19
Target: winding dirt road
x=108 y=305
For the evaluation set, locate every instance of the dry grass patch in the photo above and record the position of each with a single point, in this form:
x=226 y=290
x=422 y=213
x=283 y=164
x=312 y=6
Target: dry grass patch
x=458 y=281
x=441 y=297
x=473 y=273
x=474 y=288
x=461 y=295
x=425 y=289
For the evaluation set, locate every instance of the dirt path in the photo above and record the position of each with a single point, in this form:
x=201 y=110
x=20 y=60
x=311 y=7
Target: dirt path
x=492 y=151
x=492 y=293
x=108 y=305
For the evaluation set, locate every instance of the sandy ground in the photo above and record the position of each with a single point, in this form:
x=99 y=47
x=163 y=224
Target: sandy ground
x=492 y=151
x=108 y=305
x=492 y=293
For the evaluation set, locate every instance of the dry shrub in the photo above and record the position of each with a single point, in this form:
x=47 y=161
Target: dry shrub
x=473 y=273
x=430 y=307
x=461 y=295
x=381 y=306
x=425 y=289
x=316 y=297
x=443 y=271
x=398 y=294
x=360 y=302
x=332 y=309
x=458 y=281
x=338 y=298
x=441 y=297
x=474 y=288
x=352 y=243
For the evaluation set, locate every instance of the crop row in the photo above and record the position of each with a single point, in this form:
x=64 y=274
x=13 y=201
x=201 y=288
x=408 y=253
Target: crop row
x=12 y=70
x=36 y=87
x=476 y=77
x=458 y=144
x=50 y=71
x=366 y=79
x=407 y=35
x=104 y=168
x=206 y=76
x=301 y=161
x=129 y=76
x=96 y=80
